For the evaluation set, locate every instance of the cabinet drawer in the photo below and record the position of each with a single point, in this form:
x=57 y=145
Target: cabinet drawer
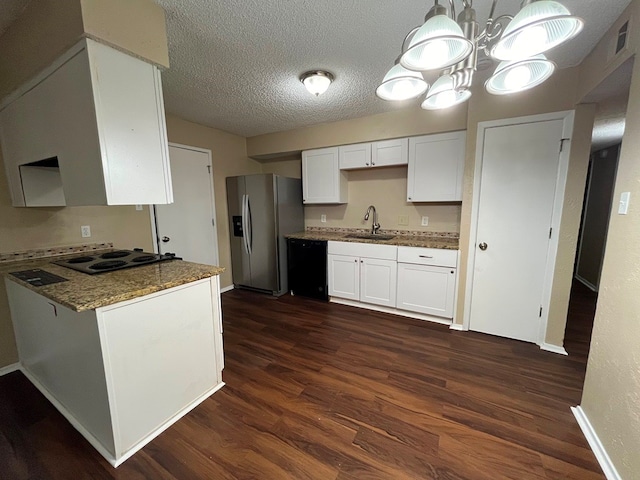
x=366 y=250
x=428 y=256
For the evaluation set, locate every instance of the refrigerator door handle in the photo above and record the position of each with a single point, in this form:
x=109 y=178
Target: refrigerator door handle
x=250 y=225
x=244 y=224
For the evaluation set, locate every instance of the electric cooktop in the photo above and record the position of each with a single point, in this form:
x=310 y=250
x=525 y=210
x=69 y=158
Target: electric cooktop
x=116 y=260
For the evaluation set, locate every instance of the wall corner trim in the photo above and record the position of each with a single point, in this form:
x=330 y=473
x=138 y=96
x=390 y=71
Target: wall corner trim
x=458 y=327
x=548 y=347
x=9 y=369
x=590 y=434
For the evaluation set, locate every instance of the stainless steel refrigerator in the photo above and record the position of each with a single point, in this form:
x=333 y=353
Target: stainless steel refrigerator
x=262 y=210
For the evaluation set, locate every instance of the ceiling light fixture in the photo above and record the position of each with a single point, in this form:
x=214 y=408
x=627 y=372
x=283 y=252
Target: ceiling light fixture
x=316 y=81
x=452 y=48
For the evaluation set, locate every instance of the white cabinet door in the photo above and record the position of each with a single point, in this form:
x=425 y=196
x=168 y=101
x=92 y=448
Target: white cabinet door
x=426 y=289
x=322 y=181
x=344 y=276
x=390 y=152
x=355 y=156
x=436 y=166
x=378 y=281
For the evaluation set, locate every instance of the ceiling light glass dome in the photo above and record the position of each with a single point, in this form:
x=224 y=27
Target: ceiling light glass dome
x=401 y=84
x=520 y=75
x=444 y=95
x=538 y=27
x=437 y=44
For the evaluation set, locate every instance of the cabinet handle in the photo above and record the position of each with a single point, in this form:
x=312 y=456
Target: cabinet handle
x=373 y=164
x=409 y=198
x=361 y=261
x=367 y=164
x=453 y=271
x=356 y=260
x=425 y=256
x=55 y=310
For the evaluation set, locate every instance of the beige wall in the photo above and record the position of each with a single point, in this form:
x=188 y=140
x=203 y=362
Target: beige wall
x=406 y=122
x=35 y=228
x=229 y=157
x=611 y=395
x=47 y=28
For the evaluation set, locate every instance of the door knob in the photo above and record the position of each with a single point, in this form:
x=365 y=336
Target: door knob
x=483 y=246
x=165 y=239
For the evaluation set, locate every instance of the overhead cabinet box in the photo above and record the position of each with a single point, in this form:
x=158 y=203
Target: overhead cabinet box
x=385 y=153
x=97 y=117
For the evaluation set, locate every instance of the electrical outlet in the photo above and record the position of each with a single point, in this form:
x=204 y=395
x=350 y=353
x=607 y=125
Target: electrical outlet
x=138 y=207
x=323 y=218
x=86 y=231
x=425 y=221
x=403 y=219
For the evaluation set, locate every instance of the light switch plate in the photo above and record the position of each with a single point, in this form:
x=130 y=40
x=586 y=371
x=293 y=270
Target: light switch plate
x=323 y=218
x=403 y=219
x=86 y=231
x=623 y=208
x=425 y=221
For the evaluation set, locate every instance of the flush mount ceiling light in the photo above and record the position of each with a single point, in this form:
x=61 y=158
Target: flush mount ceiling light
x=451 y=47
x=316 y=81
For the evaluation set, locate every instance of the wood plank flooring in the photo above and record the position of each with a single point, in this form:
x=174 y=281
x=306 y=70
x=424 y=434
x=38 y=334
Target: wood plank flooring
x=323 y=391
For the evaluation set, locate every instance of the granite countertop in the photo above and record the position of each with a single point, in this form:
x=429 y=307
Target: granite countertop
x=87 y=292
x=425 y=241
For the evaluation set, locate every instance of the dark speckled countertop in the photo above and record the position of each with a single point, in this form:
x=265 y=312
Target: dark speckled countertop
x=87 y=292
x=425 y=241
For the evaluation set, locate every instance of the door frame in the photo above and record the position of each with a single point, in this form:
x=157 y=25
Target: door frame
x=152 y=209
x=568 y=117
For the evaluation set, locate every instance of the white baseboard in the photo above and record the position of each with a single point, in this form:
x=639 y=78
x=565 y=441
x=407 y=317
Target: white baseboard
x=227 y=289
x=9 y=368
x=393 y=311
x=95 y=443
x=129 y=453
x=548 y=347
x=590 y=434
x=458 y=327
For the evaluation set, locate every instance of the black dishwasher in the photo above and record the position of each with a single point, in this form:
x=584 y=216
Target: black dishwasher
x=308 y=268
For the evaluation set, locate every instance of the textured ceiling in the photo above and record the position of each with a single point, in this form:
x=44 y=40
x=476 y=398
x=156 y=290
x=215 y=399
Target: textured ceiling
x=9 y=11
x=235 y=65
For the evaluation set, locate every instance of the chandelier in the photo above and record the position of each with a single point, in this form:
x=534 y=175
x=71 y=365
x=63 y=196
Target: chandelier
x=452 y=48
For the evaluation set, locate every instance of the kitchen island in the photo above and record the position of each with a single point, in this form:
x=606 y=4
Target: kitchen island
x=122 y=355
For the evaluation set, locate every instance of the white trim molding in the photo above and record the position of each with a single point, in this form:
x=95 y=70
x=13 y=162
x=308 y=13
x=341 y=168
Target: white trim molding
x=392 y=311
x=598 y=449
x=549 y=347
x=458 y=327
x=227 y=289
x=14 y=367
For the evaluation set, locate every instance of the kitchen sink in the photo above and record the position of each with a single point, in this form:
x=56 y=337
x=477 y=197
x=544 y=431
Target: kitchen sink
x=370 y=236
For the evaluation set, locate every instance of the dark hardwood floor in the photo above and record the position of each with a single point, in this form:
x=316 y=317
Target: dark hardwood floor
x=322 y=391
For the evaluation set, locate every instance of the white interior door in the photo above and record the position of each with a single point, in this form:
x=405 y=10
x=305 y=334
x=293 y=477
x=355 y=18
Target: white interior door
x=186 y=227
x=515 y=212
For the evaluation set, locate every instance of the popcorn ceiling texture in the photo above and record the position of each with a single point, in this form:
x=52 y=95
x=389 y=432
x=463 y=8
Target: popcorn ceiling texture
x=235 y=65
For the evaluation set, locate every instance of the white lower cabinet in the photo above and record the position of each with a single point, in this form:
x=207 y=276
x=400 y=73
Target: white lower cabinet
x=406 y=279
x=363 y=272
x=427 y=280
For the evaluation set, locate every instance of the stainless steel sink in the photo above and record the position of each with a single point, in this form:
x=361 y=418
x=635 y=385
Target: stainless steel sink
x=370 y=236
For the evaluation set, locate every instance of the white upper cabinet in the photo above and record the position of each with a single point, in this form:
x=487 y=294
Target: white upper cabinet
x=376 y=154
x=390 y=152
x=436 y=167
x=95 y=119
x=322 y=180
x=354 y=156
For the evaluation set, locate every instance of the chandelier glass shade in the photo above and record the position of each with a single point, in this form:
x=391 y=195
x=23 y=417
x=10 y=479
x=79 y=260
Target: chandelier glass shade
x=438 y=44
x=452 y=48
x=402 y=84
x=519 y=75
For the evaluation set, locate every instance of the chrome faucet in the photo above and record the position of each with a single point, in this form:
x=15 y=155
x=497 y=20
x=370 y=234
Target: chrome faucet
x=375 y=226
